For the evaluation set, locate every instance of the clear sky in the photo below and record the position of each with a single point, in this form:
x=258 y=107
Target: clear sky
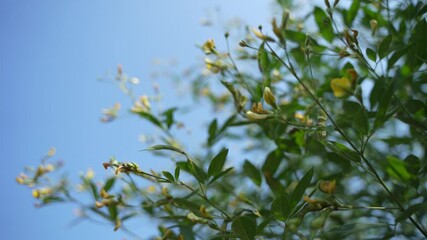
x=51 y=53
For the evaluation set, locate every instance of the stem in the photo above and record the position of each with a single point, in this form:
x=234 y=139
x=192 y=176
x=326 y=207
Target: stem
x=206 y=199
x=347 y=139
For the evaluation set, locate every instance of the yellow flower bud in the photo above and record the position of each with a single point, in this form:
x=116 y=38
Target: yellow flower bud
x=209 y=46
x=261 y=36
x=104 y=193
x=145 y=102
x=203 y=212
x=99 y=204
x=214 y=67
x=165 y=191
x=310 y=201
x=36 y=193
x=256 y=116
x=269 y=97
x=49 y=168
x=40 y=171
x=327 y=187
x=20 y=180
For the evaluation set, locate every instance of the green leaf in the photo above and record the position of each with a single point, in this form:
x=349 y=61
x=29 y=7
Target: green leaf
x=396 y=168
x=169 y=176
x=148 y=116
x=51 y=199
x=396 y=56
x=185 y=204
x=295 y=36
x=222 y=236
x=212 y=132
x=352 y=13
x=196 y=171
x=324 y=24
x=167 y=147
x=177 y=172
x=281 y=207
x=383 y=49
x=263 y=60
x=244 y=227
x=252 y=172
x=299 y=190
x=342 y=150
x=109 y=183
x=350 y=229
x=94 y=188
x=227 y=123
x=112 y=210
x=187 y=232
x=169 y=116
x=264 y=224
x=221 y=174
x=380 y=116
x=372 y=55
x=360 y=121
x=217 y=162
x=272 y=162
x=411 y=210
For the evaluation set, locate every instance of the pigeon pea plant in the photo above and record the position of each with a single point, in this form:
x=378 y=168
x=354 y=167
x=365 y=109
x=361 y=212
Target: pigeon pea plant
x=335 y=114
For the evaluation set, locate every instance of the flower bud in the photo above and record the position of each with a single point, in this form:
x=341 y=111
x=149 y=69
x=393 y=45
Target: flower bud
x=99 y=204
x=20 y=180
x=209 y=47
x=269 y=97
x=106 y=165
x=327 y=187
x=374 y=26
x=104 y=193
x=261 y=36
x=243 y=44
x=256 y=116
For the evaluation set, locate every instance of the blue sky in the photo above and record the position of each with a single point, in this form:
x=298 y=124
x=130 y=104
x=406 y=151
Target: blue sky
x=51 y=53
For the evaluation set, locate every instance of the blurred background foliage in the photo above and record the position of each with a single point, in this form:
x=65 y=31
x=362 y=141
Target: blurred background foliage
x=318 y=130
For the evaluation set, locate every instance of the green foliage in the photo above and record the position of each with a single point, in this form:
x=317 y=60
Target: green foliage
x=333 y=122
